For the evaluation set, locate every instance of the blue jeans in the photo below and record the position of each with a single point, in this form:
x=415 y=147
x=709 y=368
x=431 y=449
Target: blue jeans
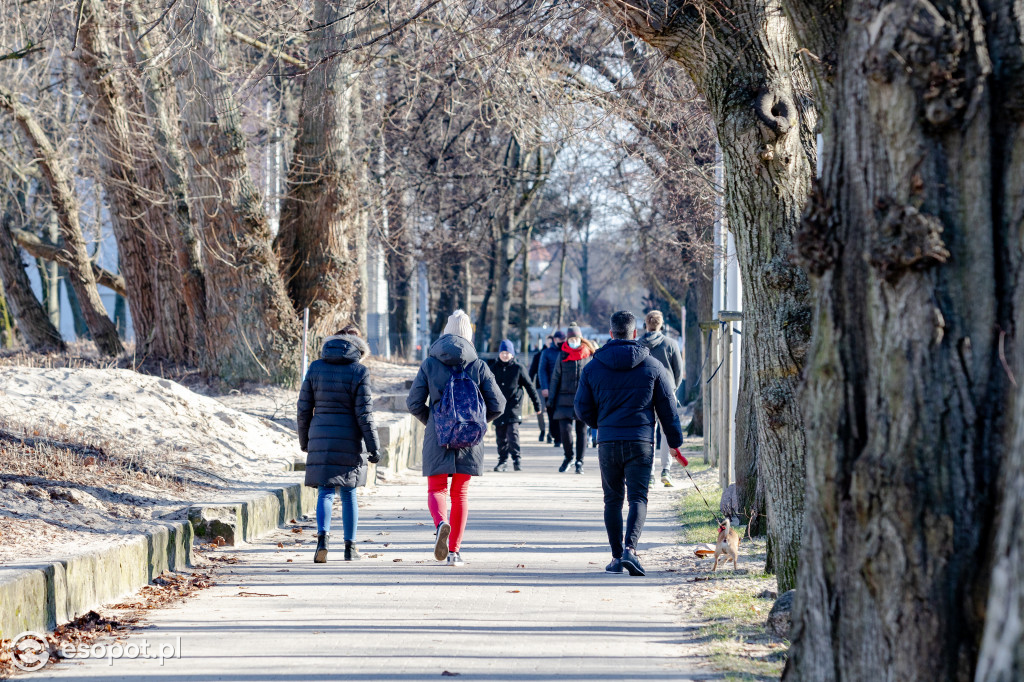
x=349 y=510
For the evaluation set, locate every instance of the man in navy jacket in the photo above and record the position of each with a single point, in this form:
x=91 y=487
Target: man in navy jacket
x=619 y=393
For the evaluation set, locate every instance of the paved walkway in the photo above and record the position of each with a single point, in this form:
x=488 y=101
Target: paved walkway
x=532 y=603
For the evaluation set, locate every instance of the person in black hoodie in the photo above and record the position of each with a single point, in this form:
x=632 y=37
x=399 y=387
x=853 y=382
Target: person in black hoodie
x=619 y=394
x=512 y=380
x=335 y=420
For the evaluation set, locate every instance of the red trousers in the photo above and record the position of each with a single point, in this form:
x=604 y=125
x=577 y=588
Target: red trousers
x=437 y=501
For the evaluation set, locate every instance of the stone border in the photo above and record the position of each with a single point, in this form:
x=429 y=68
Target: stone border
x=42 y=597
x=247 y=519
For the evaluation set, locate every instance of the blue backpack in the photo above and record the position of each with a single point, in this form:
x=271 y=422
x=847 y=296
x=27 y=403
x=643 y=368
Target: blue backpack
x=460 y=418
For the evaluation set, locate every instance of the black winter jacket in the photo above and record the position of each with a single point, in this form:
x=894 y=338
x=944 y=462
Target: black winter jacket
x=535 y=367
x=565 y=378
x=336 y=415
x=548 y=357
x=665 y=351
x=620 y=392
x=512 y=379
x=448 y=352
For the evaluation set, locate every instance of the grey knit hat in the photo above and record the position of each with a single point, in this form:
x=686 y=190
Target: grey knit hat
x=574 y=330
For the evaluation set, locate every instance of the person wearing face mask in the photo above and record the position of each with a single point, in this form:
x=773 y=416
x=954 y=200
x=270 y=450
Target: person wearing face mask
x=512 y=380
x=565 y=378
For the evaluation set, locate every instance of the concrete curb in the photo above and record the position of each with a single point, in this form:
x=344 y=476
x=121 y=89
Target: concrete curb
x=245 y=520
x=42 y=597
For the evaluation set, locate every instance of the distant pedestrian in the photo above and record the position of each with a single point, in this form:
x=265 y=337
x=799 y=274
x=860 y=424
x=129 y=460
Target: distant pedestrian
x=620 y=393
x=512 y=380
x=565 y=377
x=548 y=359
x=447 y=356
x=535 y=378
x=335 y=421
x=665 y=351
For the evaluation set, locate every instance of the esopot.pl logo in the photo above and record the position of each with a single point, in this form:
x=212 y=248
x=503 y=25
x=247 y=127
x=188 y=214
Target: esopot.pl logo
x=29 y=651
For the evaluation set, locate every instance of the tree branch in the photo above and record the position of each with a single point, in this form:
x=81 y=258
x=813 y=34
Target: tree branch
x=38 y=248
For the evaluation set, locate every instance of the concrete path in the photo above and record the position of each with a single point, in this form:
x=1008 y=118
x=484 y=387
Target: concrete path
x=532 y=603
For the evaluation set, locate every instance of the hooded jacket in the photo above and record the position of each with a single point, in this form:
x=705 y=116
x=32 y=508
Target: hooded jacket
x=548 y=358
x=621 y=391
x=512 y=380
x=565 y=379
x=335 y=414
x=449 y=352
x=665 y=351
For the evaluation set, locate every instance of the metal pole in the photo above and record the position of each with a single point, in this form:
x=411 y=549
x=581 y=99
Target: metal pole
x=305 y=341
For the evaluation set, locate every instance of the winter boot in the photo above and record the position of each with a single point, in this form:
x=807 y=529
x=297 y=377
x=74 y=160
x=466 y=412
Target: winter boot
x=565 y=465
x=351 y=553
x=501 y=466
x=320 y=556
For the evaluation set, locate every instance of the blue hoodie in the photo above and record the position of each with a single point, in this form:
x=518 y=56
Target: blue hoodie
x=621 y=391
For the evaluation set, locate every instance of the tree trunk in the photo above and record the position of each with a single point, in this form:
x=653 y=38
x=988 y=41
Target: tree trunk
x=65 y=206
x=485 y=302
x=137 y=228
x=252 y=330
x=33 y=323
x=154 y=80
x=401 y=272
x=524 y=310
x=745 y=65
x=691 y=344
x=322 y=221
x=503 y=275
x=913 y=531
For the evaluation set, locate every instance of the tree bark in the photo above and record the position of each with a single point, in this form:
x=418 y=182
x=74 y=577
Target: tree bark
x=322 y=221
x=913 y=538
x=33 y=324
x=524 y=310
x=401 y=272
x=691 y=342
x=503 y=275
x=161 y=326
x=65 y=206
x=745 y=64
x=252 y=330
x=154 y=80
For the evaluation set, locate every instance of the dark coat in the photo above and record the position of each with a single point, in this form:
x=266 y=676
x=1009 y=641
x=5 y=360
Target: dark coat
x=512 y=379
x=535 y=366
x=448 y=352
x=336 y=415
x=665 y=351
x=620 y=392
x=548 y=358
x=565 y=378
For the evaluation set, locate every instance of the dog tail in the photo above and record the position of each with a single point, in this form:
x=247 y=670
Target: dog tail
x=728 y=525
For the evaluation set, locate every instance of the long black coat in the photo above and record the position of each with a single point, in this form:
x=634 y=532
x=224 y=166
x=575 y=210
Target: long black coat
x=336 y=415
x=512 y=380
x=565 y=378
x=448 y=352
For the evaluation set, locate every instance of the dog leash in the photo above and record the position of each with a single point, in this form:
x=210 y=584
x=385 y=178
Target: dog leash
x=715 y=516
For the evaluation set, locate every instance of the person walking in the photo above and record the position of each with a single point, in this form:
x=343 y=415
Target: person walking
x=665 y=351
x=534 y=375
x=548 y=359
x=512 y=380
x=449 y=508
x=565 y=378
x=620 y=393
x=335 y=421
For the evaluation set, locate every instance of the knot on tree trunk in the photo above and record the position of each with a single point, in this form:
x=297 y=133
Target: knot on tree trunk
x=775 y=111
x=906 y=239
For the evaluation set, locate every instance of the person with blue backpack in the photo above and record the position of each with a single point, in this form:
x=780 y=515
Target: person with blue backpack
x=455 y=396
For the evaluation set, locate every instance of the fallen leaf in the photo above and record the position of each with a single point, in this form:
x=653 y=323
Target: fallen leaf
x=448 y=674
x=220 y=541
x=289 y=561
x=280 y=545
x=396 y=560
x=296 y=530
x=514 y=591
x=520 y=565
x=292 y=521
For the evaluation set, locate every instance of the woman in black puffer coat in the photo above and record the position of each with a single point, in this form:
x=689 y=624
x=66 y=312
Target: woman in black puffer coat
x=335 y=421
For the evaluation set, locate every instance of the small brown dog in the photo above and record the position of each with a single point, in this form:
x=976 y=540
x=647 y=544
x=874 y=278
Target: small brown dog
x=728 y=544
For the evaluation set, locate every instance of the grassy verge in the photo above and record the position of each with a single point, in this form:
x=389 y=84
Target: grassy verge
x=738 y=643
x=733 y=619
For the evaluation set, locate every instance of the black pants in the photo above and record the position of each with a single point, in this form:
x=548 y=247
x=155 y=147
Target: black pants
x=568 y=426
x=625 y=468
x=553 y=429
x=508 y=441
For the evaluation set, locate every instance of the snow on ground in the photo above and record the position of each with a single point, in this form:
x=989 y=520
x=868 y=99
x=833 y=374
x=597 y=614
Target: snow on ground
x=90 y=455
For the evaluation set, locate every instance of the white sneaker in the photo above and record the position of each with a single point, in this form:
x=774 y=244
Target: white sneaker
x=441 y=541
x=455 y=559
